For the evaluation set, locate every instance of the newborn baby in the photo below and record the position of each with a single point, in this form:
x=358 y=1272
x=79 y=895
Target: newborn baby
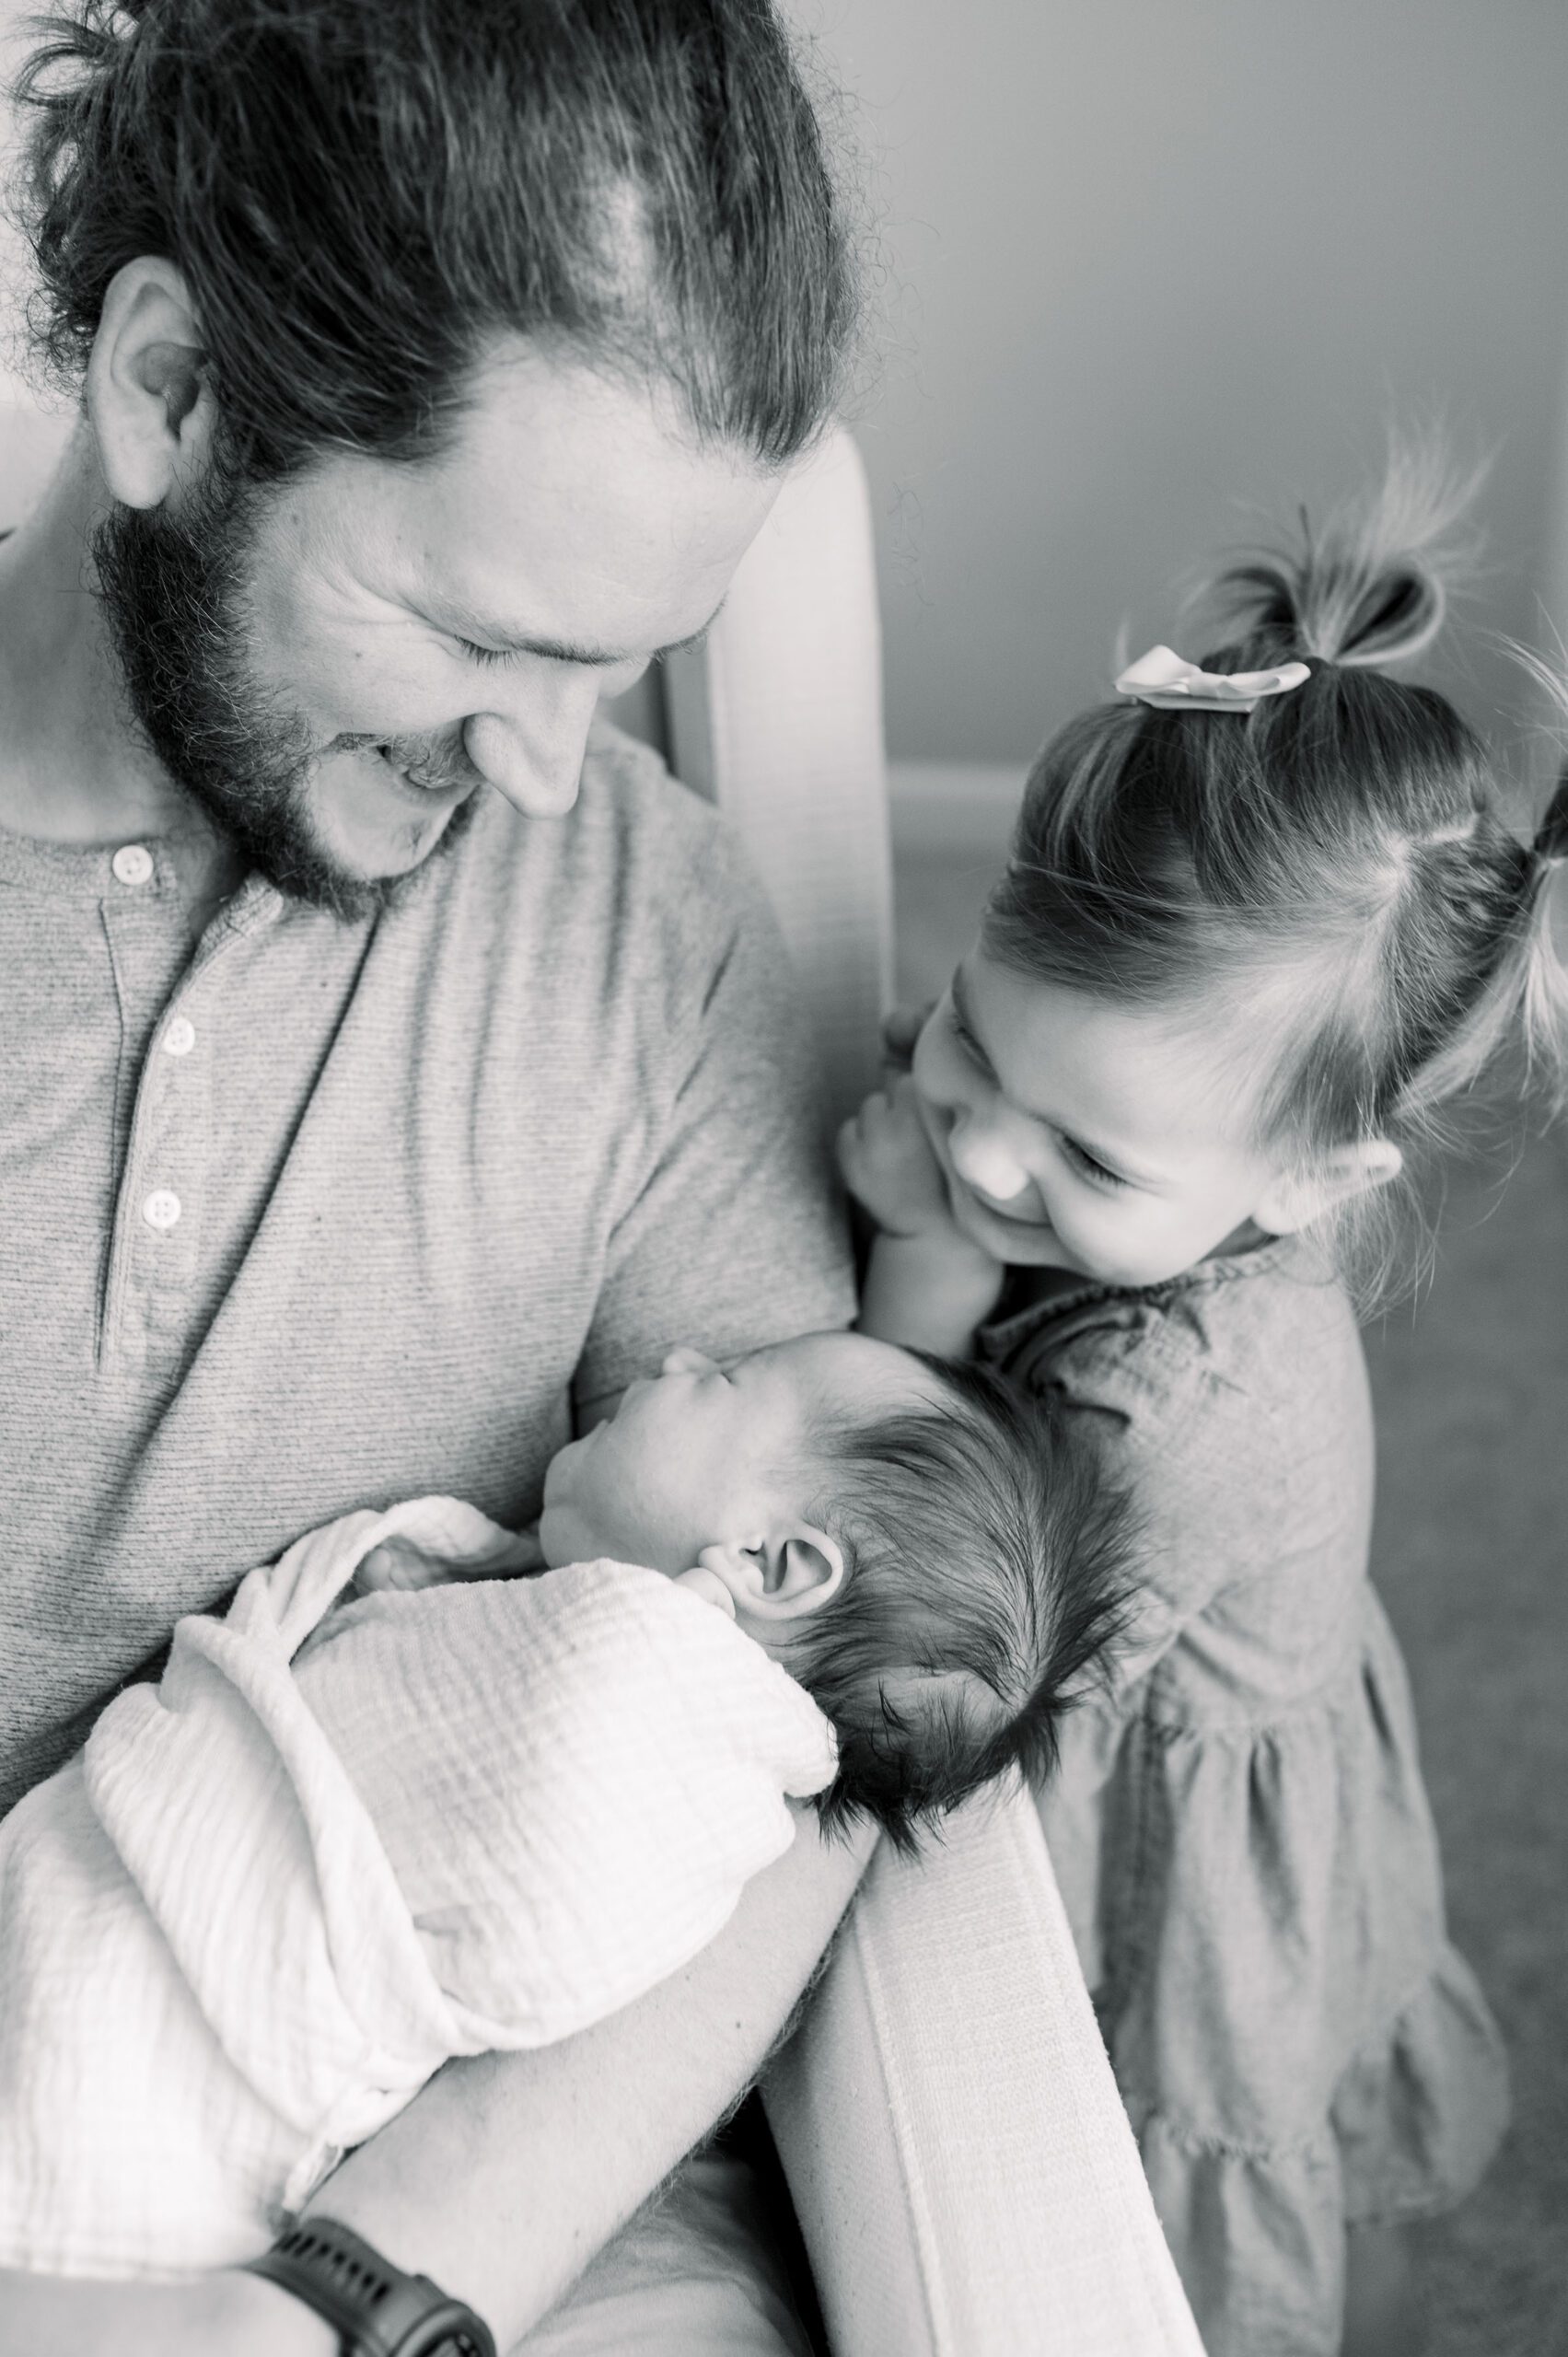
x=277 y=1891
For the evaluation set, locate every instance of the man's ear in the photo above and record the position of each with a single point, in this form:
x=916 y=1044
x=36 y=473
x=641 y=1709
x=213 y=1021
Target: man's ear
x=148 y=399
x=781 y=1576
x=1296 y=1198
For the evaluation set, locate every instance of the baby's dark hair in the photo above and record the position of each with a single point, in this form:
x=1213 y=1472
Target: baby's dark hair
x=987 y=1564
x=1334 y=872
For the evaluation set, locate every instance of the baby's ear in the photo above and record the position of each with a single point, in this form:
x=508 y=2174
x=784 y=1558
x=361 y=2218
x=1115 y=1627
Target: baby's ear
x=1296 y=1198
x=780 y=1576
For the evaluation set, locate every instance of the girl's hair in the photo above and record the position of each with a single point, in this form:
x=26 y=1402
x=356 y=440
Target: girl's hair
x=360 y=193
x=1332 y=870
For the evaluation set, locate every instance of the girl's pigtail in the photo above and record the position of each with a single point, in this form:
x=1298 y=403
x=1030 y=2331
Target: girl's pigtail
x=1368 y=588
x=1551 y=844
x=1544 y=999
x=1523 y=1005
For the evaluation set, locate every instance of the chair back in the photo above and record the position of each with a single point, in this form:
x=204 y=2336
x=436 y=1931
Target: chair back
x=777 y=719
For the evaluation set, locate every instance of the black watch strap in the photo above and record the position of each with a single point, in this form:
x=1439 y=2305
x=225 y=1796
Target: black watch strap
x=379 y=2310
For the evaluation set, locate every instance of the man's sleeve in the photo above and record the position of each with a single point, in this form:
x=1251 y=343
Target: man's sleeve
x=736 y=1237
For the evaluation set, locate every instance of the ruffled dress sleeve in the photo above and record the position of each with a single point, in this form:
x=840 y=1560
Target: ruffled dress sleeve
x=1239 y=1824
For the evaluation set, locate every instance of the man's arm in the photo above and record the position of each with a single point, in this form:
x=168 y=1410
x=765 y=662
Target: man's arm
x=554 y=2149
x=557 y=2148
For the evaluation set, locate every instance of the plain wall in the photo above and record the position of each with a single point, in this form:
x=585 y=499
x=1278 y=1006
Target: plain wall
x=1152 y=261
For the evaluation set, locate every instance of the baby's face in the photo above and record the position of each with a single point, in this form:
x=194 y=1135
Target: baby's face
x=700 y=1456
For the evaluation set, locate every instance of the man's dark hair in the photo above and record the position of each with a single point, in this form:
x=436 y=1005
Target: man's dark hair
x=361 y=195
x=987 y=1561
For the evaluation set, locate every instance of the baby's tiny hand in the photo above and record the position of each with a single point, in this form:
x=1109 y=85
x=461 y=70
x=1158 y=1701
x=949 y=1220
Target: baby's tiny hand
x=399 y=1563
x=889 y=1165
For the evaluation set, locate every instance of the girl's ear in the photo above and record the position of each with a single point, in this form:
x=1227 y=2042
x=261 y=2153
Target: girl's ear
x=1296 y=1198
x=781 y=1576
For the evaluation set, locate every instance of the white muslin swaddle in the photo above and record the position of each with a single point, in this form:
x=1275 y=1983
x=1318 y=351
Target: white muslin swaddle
x=241 y=1928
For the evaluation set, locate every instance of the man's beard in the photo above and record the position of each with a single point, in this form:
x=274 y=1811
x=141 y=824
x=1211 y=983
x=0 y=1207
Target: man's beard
x=173 y=592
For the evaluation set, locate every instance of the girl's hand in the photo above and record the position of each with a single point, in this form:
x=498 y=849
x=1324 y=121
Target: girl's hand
x=889 y=1165
x=900 y=1030
x=928 y=1286
x=398 y=1563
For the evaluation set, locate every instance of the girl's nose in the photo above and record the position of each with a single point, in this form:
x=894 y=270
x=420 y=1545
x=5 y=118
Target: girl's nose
x=981 y=1160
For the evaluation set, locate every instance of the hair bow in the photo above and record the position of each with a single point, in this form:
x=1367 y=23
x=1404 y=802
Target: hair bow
x=1162 y=678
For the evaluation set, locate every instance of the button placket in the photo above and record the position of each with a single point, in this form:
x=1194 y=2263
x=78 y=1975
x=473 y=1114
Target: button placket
x=158 y=1228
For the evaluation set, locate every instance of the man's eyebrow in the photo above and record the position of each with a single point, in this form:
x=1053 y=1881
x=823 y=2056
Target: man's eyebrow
x=1111 y=1159
x=562 y=650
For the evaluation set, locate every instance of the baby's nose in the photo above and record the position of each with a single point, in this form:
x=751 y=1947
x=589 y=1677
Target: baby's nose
x=684 y=1359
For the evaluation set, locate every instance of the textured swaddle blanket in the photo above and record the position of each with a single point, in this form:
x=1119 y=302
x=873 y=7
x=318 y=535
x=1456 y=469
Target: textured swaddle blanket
x=270 y=1896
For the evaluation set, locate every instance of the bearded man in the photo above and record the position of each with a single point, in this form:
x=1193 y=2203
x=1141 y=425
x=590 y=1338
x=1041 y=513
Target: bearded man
x=396 y=1063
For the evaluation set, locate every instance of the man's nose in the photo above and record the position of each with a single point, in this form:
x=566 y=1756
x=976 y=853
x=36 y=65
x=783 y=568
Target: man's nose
x=982 y=1158
x=532 y=751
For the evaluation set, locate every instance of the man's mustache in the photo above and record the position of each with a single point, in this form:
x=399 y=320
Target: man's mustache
x=435 y=766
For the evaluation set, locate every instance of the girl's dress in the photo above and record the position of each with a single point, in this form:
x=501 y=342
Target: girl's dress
x=1238 y=1825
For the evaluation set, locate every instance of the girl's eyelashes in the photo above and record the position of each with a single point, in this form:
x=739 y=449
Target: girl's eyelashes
x=1079 y=1158
x=968 y=1041
x=1087 y=1167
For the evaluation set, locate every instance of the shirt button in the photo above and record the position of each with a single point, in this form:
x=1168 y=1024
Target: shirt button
x=179 y=1037
x=133 y=864
x=161 y=1208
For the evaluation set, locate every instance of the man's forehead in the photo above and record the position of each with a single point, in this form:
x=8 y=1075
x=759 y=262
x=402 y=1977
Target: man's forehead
x=567 y=514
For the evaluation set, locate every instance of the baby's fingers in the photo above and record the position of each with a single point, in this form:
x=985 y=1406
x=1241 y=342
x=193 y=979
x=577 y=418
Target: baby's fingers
x=397 y=1563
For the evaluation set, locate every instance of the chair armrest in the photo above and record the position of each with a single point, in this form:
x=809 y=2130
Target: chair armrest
x=963 y=2170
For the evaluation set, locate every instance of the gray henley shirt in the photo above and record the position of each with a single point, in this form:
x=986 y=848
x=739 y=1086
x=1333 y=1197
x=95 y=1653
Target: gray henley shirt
x=321 y=1215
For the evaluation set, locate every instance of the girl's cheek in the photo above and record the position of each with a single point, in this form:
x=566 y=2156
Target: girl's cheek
x=938 y=1077
x=1110 y=1237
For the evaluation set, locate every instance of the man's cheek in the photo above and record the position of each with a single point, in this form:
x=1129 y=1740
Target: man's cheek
x=360 y=696
x=365 y=678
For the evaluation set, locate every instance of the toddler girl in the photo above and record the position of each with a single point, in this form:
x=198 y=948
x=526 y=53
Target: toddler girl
x=1260 y=919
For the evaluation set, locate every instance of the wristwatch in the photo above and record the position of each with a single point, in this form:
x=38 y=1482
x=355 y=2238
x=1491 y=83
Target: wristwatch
x=379 y=2310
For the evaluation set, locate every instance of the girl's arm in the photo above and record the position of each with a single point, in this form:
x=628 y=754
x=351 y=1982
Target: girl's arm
x=927 y=1285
